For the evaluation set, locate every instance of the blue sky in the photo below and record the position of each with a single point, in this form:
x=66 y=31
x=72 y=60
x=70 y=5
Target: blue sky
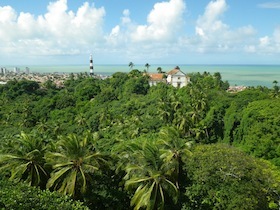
x=56 y=32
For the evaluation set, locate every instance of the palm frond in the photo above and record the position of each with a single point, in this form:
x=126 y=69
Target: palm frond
x=73 y=162
x=56 y=176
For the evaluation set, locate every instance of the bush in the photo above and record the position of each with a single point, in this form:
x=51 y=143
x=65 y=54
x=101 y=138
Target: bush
x=222 y=177
x=21 y=197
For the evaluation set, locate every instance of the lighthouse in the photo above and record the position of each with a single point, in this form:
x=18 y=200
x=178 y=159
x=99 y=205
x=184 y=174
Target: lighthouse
x=90 y=65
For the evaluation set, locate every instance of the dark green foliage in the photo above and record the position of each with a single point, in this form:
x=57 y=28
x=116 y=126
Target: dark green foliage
x=137 y=85
x=233 y=114
x=21 y=197
x=49 y=84
x=87 y=89
x=16 y=88
x=23 y=157
x=275 y=91
x=64 y=100
x=222 y=177
x=106 y=192
x=209 y=81
x=160 y=123
x=259 y=131
x=107 y=94
x=135 y=73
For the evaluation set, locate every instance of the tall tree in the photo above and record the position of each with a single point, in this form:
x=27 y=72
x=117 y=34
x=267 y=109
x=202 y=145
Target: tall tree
x=174 y=151
x=131 y=65
x=275 y=92
x=147 y=66
x=147 y=175
x=74 y=162
x=24 y=158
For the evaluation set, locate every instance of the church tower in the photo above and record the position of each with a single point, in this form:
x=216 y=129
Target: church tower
x=90 y=65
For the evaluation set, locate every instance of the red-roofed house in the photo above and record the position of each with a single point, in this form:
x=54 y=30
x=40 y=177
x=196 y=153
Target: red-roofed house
x=156 y=78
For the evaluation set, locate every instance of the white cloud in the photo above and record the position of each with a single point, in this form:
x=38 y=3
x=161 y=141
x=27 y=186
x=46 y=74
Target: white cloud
x=276 y=35
x=250 y=48
x=152 y=40
x=27 y=25
x=163 y=22
x=7 y=14
x=115 y=31
x=264 y=41
x=269 y=45
x=270 y=5
x=266 y=45
x=213 y=35
x=119 y=34
x=126 y=18
x=59 y=31
x=7 y=24
x=209 y=22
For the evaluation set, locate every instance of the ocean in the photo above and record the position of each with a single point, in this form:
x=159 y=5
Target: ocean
x=246 y=75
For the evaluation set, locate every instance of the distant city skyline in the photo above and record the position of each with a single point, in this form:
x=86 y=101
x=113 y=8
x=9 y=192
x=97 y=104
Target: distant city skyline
x=61 y=32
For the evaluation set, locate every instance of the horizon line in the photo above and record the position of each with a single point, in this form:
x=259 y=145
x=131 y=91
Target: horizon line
x=137 y=64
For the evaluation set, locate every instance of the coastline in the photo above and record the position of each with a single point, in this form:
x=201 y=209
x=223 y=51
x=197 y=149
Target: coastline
x=236 y=75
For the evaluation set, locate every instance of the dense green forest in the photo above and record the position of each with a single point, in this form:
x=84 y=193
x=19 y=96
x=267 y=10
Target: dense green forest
x=120 y=144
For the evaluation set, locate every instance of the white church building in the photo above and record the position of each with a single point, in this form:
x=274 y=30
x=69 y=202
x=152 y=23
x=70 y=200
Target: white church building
x=177 y=78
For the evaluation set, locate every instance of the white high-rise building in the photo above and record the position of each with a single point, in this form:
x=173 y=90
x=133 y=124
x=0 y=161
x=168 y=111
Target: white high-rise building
x=4 y=71
x=16 y=70
x=27 y=71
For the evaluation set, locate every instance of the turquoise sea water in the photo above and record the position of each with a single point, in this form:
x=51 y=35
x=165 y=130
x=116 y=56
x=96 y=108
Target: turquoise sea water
x=248 y=75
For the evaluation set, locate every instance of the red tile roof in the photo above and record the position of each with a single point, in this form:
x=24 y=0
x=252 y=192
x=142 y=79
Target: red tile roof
x=156 y=76
x=174 y=71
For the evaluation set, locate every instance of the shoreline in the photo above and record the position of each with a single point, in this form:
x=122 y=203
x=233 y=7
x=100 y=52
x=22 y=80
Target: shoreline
x=236 y=75
x=58 y=79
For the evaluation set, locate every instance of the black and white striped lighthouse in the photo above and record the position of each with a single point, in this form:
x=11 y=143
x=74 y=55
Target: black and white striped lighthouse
x=90 y=65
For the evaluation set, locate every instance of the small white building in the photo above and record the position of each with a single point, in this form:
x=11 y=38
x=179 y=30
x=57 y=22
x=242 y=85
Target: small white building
x=177 y=78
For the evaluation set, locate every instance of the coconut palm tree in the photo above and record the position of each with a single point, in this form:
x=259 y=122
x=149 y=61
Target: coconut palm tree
x=199 y=104
x=24 y=158
x=148 y=177
x=174 y=150
x=167 y=107
x=147 y=66
x=74 y=162
x=159 y=70
x=275 y=90
x=131 y=65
